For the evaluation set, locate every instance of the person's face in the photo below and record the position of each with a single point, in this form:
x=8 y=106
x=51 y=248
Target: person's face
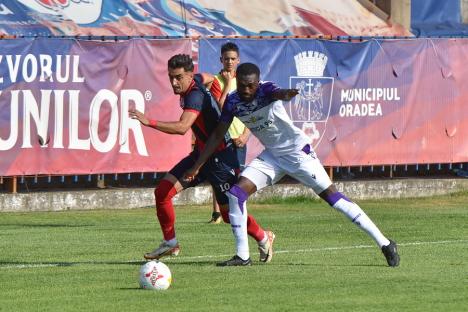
x=180 y=79
x=247 y=86
x=230 y=60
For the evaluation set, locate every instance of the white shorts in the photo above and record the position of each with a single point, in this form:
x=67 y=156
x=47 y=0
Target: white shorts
x=267 y=169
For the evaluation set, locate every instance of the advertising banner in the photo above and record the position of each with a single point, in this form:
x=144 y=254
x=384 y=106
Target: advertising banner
x=193 y=18
x=64 y=106
x=376 y=102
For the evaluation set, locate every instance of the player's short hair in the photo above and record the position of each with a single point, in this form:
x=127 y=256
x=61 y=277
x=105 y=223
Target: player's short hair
x=246 y=69
x=229 y=46
x=181 y=61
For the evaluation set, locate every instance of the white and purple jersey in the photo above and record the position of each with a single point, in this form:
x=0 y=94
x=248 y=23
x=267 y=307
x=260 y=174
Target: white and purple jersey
x=267 y=120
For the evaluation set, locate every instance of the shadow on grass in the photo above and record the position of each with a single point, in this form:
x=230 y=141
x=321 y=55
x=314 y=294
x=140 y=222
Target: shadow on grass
x=330 y=265
x=39 y=264
x=44 y=264
x=273 y=264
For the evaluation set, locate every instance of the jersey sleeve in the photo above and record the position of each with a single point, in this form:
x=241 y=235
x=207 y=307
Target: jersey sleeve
x=193 y=101
x=216 y=89
x=268 y=88
x=227 y=114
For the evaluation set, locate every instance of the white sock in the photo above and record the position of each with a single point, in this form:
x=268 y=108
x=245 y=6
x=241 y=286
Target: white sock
x=359 y=217
x=238 y=220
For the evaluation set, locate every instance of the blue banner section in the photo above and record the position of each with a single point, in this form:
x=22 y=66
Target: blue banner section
x=372 y=102
x=437 y=18
x=281 y=59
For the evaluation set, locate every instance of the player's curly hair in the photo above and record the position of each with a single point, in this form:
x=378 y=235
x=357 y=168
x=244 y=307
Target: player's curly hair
x=181 y=61
x=246 y=69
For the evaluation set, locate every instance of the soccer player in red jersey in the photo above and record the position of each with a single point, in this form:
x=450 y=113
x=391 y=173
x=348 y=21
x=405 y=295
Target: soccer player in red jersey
x=201 y=114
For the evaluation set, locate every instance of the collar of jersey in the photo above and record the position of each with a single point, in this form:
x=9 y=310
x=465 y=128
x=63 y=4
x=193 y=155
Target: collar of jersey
x=192 y=84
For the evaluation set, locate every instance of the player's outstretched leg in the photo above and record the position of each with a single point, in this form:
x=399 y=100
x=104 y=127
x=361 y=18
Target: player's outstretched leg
x=351 y=210
x=264 y=238
x=238 y=220
x=166 y=216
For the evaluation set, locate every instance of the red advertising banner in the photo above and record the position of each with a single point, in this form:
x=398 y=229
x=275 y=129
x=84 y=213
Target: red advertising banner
x=64 y=106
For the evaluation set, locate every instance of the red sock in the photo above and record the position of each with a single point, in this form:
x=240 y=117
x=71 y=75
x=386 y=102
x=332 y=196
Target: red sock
x=254 y=229
x=164 y=193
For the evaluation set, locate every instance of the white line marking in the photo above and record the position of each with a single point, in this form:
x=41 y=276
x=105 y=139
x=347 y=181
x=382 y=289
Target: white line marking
x=445 y=242
x=182 y=258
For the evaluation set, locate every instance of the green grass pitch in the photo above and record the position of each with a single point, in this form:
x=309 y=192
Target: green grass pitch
x=89 y=260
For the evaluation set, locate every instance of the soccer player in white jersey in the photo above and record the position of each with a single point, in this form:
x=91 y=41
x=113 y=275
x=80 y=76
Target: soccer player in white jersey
x=287 y=152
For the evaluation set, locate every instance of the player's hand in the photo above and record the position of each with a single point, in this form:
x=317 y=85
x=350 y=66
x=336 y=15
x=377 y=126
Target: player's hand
x=240 y=141
x=135 y=114
x=227 y=76
x=190 y=174
x=290 y=93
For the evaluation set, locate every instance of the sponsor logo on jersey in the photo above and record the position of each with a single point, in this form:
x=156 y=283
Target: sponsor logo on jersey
x=254 y=119
x=310 y=109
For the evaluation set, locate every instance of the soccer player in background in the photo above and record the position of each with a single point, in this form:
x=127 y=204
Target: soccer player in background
x=224 y=83
x=200 y=113
x=287 y=151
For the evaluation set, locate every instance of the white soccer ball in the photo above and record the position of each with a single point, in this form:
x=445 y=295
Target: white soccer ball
x=155 y=275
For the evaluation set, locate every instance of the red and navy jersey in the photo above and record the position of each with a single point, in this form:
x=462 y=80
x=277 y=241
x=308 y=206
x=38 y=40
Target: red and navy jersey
x=198 y=99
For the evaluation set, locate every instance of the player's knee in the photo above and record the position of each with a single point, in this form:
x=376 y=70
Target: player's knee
x=164 y=191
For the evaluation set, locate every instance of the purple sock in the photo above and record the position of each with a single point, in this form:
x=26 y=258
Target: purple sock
x=240 y=194
x=333 y=198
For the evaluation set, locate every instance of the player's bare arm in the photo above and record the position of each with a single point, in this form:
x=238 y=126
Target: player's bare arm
x=285 y=94
x=207 y=79
x=228 y=77
x=213 y=142
x=171 y=127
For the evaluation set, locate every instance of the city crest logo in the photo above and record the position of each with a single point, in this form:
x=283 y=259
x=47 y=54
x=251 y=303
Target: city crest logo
x=310 y=109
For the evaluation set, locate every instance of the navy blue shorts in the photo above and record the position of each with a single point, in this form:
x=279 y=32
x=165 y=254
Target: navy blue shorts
x=241 y=156
x=221 y=171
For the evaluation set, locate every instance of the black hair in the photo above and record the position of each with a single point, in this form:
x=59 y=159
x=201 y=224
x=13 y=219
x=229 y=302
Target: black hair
x=229 y=46
x=246 y=69
x=181 y=61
